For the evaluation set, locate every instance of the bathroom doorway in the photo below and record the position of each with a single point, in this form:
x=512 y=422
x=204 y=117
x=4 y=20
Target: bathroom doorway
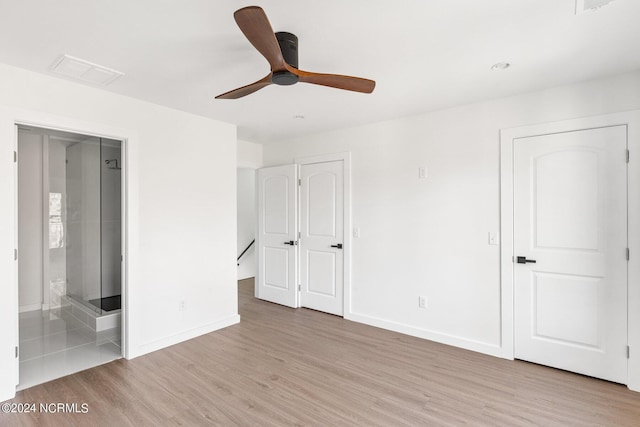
x=70 y=240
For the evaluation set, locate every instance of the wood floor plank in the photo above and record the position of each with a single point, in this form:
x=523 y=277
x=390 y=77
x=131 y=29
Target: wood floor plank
x=282 y=366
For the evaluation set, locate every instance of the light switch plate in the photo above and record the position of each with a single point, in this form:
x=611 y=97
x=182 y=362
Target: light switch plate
x=494 y=238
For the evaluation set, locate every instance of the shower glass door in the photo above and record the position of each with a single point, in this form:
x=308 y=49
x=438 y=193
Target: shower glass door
x=110 y=232
x=93 y=218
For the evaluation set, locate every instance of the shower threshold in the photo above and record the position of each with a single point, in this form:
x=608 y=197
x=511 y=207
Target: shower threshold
x=98 y=321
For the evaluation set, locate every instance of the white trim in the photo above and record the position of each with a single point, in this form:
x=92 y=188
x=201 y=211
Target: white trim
x=129 y=238
x=345 y=157
x=170 y=340
x=16 y=268
x=506 y=244
x=257 y=230
x=298 y=247
x=453 y=340
x=323 y=158
x=632 y=120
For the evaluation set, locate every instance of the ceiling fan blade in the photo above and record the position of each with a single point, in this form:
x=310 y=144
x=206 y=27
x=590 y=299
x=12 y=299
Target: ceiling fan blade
x=356 y=84
x=246 y=90
x=255 y=26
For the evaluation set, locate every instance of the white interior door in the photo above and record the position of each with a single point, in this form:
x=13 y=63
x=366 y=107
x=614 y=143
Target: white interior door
x=277 y=236
x=570 y=217
x=322 y=236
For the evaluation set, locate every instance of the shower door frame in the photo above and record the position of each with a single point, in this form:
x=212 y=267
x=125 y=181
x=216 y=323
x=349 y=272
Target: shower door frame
x=128 y=206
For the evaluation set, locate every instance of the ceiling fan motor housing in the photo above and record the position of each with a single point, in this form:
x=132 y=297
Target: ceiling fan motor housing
x=289 y=46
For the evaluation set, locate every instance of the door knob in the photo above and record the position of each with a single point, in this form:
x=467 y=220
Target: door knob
x=339 y=246
x=290 y=242
x=524 y=260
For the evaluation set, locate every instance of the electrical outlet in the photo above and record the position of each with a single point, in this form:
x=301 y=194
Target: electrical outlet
x=356 y=232
x=181 y=305
x=422 y=172
x=422 y=301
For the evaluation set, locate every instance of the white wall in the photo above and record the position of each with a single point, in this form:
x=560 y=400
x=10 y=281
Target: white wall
x=430 y=237
x=249 y=154
x=249 y=159
x=181 y=198
x=246 y=221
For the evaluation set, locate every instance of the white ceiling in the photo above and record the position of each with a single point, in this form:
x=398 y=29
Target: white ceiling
x=424 y=54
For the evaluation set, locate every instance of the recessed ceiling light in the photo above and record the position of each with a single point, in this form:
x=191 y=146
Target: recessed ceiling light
x=500 y=66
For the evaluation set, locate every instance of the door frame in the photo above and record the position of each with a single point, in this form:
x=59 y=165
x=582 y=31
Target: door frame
x=124 y=226
x=629 y=119
x=129 y=209
x=346 y=171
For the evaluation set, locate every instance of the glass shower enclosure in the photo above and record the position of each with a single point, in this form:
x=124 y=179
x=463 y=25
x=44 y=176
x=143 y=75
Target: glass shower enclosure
x=85 y=222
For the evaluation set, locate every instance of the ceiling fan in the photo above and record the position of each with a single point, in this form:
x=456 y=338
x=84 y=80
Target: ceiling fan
x=281 y=51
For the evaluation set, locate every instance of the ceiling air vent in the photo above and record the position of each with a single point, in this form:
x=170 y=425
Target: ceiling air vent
x=590 y=5
x=85 y=71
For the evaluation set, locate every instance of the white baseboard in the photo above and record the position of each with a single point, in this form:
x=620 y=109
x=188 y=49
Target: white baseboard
x=182 y=336
x=467 y=344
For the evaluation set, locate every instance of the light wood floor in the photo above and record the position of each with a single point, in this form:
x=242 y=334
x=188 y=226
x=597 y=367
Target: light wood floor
x=281 y=366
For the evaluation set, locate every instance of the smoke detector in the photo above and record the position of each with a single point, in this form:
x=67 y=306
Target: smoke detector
x=590 y=5
x=86 y=71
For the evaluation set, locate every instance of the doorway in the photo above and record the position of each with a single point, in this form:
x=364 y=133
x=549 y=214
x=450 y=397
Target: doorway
x=246 y=220
x=70 y=240
x=565 y=266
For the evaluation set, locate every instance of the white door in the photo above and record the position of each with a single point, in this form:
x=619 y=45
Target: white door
x=277 y=235
x=322 y=236
x=570 y=217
